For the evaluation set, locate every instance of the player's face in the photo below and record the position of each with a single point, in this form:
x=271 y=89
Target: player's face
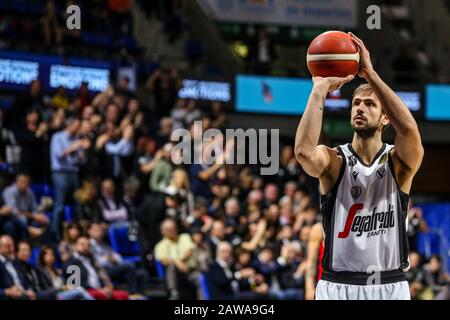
x=367 y=115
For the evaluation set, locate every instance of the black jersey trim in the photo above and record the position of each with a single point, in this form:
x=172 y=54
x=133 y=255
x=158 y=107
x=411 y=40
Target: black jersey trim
x=362 y=278
x=402 y=215
x=327 y=202
x=379 y=153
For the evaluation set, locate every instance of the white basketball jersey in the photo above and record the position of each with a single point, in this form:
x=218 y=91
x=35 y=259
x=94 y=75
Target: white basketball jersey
x=364 y=216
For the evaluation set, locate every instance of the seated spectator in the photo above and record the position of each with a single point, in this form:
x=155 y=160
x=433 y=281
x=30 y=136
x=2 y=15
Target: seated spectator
x=87 y=208
x=72 y=232
x=118 y=270
x=92 y=278
x=289 y=282
x=52 y=279
x=434 y=276
x=217 y=235
x=25 y=216
x=175 y=252
x=13 y=282
x=33 y=275
x=111 y=205
x=226 y=284
x=201 y=251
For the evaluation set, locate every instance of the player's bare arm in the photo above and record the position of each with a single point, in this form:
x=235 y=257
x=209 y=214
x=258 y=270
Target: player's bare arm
x=315 y=239
x=408 y=151
x=317 y=160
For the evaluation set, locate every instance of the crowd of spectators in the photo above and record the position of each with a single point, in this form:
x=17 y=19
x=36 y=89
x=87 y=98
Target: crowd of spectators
x=110 y=157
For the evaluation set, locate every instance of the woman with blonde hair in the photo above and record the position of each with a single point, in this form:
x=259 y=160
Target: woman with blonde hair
x=179 y=189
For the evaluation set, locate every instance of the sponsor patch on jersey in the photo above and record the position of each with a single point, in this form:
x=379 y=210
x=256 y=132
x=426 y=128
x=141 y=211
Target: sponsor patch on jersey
x=383 y=159
x=381 y=172
x=355 y=191
x=355 y=175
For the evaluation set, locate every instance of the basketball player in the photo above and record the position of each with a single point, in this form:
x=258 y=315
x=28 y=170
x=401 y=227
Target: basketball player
x=313 y=260
x=364 y=188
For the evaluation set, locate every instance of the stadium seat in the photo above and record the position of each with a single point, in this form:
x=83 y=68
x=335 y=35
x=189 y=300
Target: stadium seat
x=34 y=256
x=118 y=237
x=204 y=286
x=69 y=212
x=160 y=270
x=42 y=189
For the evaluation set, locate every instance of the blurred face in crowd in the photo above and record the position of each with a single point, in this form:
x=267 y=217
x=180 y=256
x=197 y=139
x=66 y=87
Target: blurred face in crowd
x=273 y=212
x=96 y=232
x=255 y=197
x=73 y=233
x=197 y=238
x=180 y=179
x=286 y=232
x=73 y=126
x=169 y=229
x=7 y=247
x=225 y=252
x=290 y=188
x=271 y=193
x=167 y=151
x=32 y=119
x=434 y=264
x=112 y=113
x=287 y=153
x=254 y=216
x=23 y=252
x=310 y=215
x=88 y=112
x=133 y=106
x=124 y=84
x=49 y=257
x=258 y=183
x=244 y=258
x=266 y=256
x=165 y=125
x=218 y=229
x=367 y=115
x=82 y=246
x=288 y=251
x=108 y=188
x=232 y=207
x=216 y=108
x=36 y=88
x=22 y=183
x=86 y=128
x=414 y=259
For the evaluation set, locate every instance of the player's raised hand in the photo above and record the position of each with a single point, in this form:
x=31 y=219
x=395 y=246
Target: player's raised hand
x=331 y=84
x=366 y=63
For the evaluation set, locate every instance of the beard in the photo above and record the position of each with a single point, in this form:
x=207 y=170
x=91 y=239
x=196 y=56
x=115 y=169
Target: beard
x=365 y=132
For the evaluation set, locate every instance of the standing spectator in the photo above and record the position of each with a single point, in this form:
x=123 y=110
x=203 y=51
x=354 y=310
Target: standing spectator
x=263 y=53
x=87 y=209
x=66 y=154
x=22 y=202
x=161 y=174
x=33 y=139
x=164 y=84
x=112 y=206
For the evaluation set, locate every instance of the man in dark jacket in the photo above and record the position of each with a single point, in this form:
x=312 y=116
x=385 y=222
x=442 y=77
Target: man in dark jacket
x=81 y=270
x=225 y=283
x=13 y=283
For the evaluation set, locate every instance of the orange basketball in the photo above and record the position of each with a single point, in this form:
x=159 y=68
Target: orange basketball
x=333 y=54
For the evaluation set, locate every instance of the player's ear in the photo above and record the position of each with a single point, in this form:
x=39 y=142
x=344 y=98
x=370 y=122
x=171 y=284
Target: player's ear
x=385 y=121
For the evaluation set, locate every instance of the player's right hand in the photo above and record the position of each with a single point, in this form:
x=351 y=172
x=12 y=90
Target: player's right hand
x=331 y=84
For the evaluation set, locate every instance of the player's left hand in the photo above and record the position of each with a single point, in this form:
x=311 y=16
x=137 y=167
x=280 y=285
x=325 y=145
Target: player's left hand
x=366 y=64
